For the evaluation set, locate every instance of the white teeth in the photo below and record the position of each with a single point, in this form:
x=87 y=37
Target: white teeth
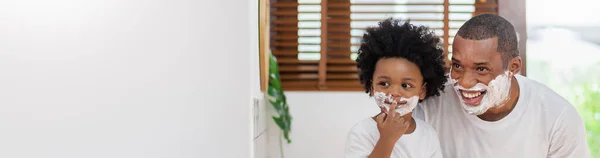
x=471 y=95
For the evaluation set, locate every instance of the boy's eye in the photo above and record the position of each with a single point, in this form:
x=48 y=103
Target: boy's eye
x=406 y=86
x=385 y=84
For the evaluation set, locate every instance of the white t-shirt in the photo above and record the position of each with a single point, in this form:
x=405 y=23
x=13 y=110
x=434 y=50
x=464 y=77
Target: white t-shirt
x=422 y=143
x=542 y=124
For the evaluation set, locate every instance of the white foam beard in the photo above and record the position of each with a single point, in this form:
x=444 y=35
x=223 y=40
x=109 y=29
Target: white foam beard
x=496 y=93
x=403 y=109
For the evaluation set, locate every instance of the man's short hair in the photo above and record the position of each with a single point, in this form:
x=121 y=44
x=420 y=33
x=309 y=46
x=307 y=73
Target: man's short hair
x=486 y=26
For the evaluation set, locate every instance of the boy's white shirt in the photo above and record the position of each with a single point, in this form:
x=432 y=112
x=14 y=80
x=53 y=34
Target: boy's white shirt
x=422 y=143
x=542 y=124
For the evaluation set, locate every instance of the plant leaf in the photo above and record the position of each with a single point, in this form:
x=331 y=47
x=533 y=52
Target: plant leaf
x=278 y=100
x=278 y=106
x=274 y=78
x=284 y=126
x=275 y=93
x=280 y=123
x=286 y=135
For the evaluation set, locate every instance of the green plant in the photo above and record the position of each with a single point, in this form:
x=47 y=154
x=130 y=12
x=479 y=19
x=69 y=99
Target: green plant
x=587 y=101
x=277 y=99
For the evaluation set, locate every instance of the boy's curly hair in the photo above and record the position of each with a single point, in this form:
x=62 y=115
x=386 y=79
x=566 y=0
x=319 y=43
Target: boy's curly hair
x=394 y=38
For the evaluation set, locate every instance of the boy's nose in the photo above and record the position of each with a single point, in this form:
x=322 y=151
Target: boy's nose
x=397 y=97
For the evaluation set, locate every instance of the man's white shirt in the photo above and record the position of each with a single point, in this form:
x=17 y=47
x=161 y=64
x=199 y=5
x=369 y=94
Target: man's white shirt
x=542 y=124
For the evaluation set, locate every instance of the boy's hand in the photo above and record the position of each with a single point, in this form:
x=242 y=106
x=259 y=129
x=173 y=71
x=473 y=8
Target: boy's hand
x=383 y=111
x=391 y=126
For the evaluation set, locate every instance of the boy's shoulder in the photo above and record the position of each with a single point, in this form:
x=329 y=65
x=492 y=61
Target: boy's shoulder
x=426 y=128
x=423 y=124
x=364 y=126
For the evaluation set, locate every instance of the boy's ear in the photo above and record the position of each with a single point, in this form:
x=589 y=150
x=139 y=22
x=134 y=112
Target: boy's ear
x=423 y=92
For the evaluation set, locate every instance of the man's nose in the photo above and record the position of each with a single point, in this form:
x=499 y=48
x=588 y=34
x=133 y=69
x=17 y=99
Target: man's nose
x=467 y=80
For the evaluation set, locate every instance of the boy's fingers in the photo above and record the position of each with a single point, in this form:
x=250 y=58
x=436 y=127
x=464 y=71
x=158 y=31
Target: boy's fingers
x=379 y=118
x=392 y=110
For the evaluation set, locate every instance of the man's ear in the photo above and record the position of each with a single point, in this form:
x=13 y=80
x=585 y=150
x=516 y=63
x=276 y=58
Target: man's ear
x=514 y=65
x=423 y=92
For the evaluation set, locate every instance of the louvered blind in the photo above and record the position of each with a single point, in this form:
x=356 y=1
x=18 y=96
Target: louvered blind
x=315 y=41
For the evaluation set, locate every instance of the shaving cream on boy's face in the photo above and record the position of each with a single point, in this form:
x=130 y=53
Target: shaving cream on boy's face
x=385 y=100
x=478 y=99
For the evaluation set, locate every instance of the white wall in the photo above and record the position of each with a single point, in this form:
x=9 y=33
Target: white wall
x=321 y=121
x=126 y=78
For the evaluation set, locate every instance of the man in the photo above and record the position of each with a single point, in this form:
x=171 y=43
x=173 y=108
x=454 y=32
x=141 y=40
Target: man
x=488 y=110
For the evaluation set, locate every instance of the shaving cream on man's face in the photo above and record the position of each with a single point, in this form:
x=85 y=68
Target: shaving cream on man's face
x=384 y=100
x=479 y=98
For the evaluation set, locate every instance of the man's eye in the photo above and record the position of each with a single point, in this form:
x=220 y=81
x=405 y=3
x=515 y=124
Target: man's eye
x=456 y=66
x=481 y=69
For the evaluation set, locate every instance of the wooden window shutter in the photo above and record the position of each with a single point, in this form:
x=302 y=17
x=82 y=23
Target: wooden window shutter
x=295 y=74
x=316 y=41
x=486 y=7
x=339 y=69
x=456 y=16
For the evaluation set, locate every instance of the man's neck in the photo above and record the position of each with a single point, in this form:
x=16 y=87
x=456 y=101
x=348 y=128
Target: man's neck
x=499 y=113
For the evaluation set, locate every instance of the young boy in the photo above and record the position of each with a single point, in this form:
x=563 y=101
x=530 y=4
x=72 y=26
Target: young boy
x=400 y=64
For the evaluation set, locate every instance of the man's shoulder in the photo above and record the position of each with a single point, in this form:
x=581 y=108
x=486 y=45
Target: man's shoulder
x=559 y=117
x=546 y=102
x=541 y=96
